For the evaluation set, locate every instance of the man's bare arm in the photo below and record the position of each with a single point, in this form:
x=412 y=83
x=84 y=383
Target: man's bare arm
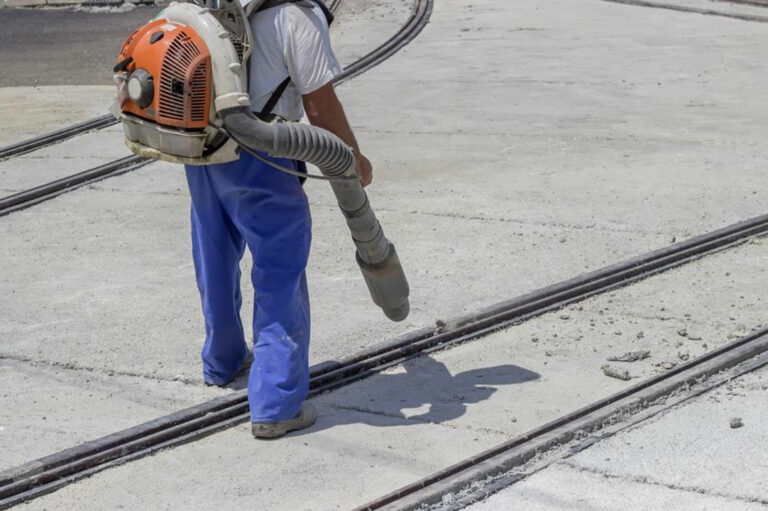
x=325 y=111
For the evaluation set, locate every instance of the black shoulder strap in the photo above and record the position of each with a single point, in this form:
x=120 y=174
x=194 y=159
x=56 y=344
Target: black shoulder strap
x=278 y=92
x=329 y=17
x=274 y=98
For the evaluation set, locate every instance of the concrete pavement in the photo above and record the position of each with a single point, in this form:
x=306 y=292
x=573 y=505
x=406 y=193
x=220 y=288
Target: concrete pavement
x=689 y=457
x=493 y=183
x=46 y=407
x=46 y=108
x=749 y=10
x=61 y=160
x=31 y=111
x=68 y=400
x=515 y=145
x=62 y=47
x=414 y=419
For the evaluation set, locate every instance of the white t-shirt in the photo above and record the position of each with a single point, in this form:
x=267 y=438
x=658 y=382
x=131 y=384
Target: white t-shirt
x=290 y=40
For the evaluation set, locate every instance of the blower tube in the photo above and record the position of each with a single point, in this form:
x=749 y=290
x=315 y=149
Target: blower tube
x=376 y=256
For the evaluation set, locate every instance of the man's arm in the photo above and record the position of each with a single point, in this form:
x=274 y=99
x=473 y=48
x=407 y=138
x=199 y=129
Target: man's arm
x=325 y=111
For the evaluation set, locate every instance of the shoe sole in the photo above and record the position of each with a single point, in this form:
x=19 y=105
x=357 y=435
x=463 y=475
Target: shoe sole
x=271 y=430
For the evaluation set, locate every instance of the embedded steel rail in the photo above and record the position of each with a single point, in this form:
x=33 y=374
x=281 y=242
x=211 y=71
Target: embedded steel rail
x=422 y=10
x=47 y=474
x=756 y=3
x=657 y=4
x=52 y=472
x=57 y=136
x=494 y=467
x=416 y=22
x=53 y=189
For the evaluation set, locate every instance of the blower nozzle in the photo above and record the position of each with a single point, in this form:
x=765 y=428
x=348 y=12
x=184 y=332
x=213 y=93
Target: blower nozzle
x=387 y=285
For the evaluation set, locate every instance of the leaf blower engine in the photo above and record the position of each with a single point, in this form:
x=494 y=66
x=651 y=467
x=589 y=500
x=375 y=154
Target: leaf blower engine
x=183 y=98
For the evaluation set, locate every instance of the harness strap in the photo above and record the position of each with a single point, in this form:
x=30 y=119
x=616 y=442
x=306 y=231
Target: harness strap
x=274 y=98
x=266 y=112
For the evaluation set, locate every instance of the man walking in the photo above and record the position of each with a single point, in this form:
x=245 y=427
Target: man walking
x=247 y=203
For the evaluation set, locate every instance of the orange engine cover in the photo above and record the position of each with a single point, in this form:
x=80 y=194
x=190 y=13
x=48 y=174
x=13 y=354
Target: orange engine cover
x=180 y=65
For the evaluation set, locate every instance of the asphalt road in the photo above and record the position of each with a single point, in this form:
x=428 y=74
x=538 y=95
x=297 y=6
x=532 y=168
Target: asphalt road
x=61 y=46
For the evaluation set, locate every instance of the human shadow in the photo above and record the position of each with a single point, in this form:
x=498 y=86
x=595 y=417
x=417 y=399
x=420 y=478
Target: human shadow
x=381 y=399
x=240 y=382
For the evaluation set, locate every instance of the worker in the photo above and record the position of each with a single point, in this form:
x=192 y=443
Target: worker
x=246 y=203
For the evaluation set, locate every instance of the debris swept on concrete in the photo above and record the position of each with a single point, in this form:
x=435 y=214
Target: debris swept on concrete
x=614 y=372
x=630 y=356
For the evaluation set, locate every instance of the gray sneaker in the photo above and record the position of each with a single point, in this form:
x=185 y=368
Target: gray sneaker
x=304 y=419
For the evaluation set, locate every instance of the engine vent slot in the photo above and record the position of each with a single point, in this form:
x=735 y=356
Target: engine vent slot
x=238 y=44
x=198 y=100
x=175 y=75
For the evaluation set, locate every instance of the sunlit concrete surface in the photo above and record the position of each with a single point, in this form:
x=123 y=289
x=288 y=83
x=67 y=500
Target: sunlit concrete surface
x=54 y=402
x=32 y=111
x=687 y=458
x=58 y=161
x=46 y=408
x=412 y=420
x=515 y=144
x=60 y=47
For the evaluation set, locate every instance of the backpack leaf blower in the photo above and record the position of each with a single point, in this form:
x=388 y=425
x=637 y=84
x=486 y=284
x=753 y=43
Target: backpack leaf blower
x=182 y=97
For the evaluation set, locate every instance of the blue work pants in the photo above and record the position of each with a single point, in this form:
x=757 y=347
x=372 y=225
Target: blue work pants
x=247 y=203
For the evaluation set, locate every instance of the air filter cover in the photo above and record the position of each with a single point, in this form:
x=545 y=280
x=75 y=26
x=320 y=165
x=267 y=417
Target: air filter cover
x=179 y=64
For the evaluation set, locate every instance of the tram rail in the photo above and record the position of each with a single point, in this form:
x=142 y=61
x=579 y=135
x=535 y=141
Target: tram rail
x=57 y=470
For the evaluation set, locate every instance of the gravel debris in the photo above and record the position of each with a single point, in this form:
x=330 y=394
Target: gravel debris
x=614 y=372
x=630 y=356
x=736 y=423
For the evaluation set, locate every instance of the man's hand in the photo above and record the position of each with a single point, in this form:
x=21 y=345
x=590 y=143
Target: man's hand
x=364 y=169
x=325 y=111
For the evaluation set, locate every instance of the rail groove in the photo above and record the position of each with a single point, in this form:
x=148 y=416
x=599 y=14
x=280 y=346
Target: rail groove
x=55 y=188
x=54 y=137
x=698 y=10
x=51 y=472
x=500 y=460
